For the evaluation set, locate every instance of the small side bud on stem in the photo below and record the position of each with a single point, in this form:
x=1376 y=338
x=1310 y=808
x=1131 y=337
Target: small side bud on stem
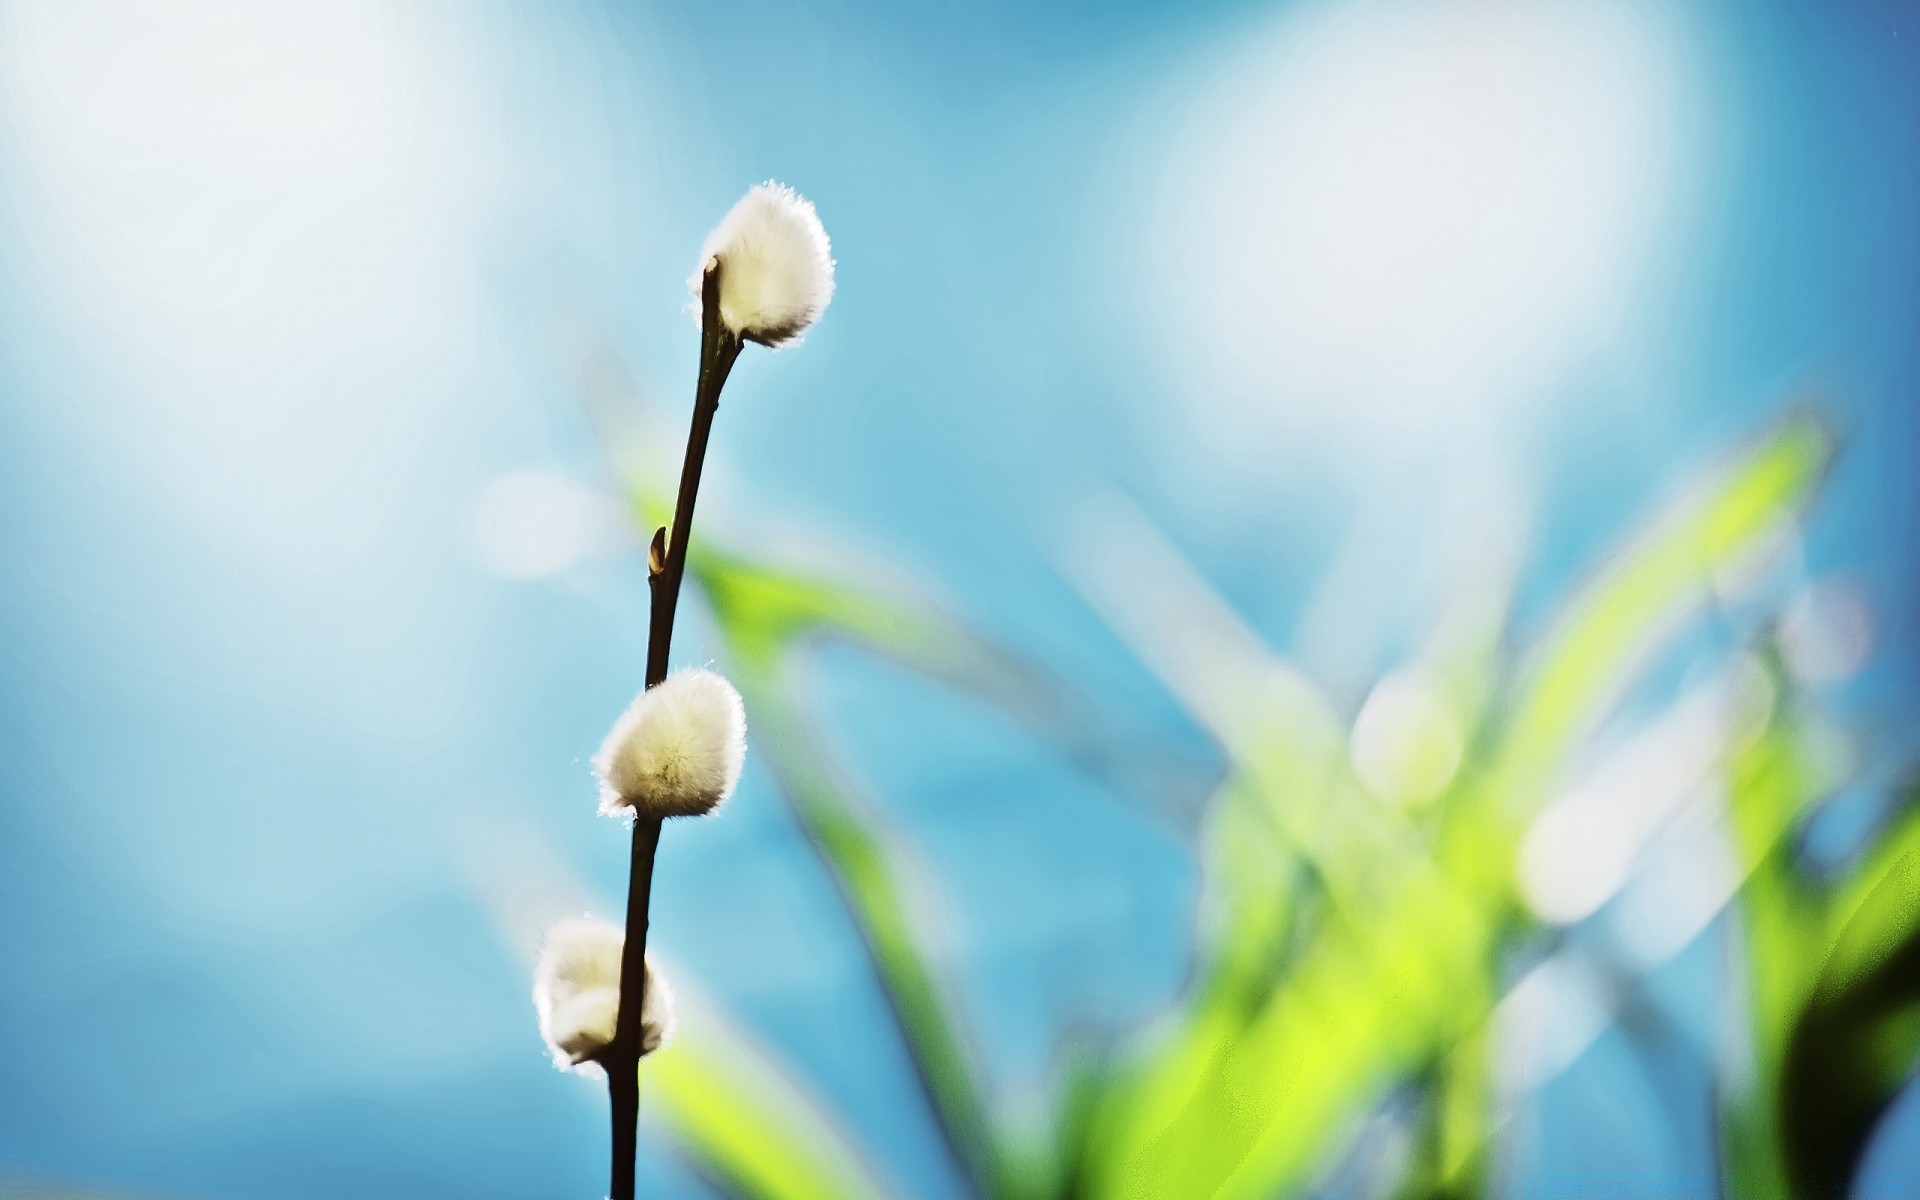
x=657 y=552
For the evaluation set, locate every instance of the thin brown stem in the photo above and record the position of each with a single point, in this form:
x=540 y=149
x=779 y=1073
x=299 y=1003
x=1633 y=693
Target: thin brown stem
x=622 y=1058
x=718 y=350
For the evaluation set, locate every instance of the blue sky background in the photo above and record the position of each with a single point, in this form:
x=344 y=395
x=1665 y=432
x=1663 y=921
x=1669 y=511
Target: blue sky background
x=284 y=293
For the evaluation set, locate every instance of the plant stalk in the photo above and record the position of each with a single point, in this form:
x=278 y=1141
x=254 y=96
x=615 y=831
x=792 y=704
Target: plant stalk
x=718 y=350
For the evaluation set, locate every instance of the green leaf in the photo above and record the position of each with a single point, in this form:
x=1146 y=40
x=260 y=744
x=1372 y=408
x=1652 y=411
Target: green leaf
x=744 y=1123
x=869 y=867
x=1769 y=784
x=1833 y=974
x=1858 y=1039
x=1604 y=637
x=764 y=616
x=1876 y=909
x=1246 y=1099
x=769 y=615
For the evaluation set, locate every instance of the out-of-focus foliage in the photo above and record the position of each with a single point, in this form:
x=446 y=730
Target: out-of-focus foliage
x=745 y=1124
x=1352 y=946
x=1834 y=967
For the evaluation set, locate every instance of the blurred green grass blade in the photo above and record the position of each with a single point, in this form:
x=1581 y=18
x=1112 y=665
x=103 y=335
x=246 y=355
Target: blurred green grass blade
x=1797 y=1127
x=1849 y=1055
x=1857 y=1042
x=1143 y=1139
x=744 y=1124
x=1142 y=1126
x=1463 y=1115
x=1614 y=624
x=763 y=616
x=866 y=866
x=768 y=610
x=1878 y=905
x=1250 y=892
x=1246 y=917
x=1351 y=1021
x=1766 y=783
x=1280 y=1046
x=1771 y=785
x=1248 y=1104
x=769 y=613
x=1046 y=1155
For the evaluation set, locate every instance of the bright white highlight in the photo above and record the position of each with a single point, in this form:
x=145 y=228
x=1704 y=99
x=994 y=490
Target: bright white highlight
x=1827 y=631
x=1398 y=222
x=264 y=220
x=1686 y=879
x=531 y=524
x=576 y=991
x=1549 y=1019
x=776 y=265
x=1585 y=847
x=1407 y=740
x=677 y=750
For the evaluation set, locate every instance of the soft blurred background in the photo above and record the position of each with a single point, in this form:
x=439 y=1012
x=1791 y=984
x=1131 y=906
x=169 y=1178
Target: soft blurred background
x=1330 y=610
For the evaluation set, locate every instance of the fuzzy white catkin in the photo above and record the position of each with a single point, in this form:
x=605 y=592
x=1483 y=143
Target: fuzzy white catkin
x=676 y=751
x=776 y=265
x=576 y=992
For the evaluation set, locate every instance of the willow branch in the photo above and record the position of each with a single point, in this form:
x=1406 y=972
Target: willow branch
x=666 y=566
